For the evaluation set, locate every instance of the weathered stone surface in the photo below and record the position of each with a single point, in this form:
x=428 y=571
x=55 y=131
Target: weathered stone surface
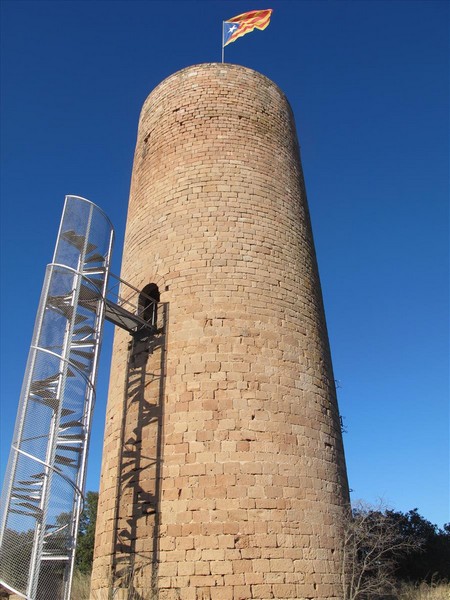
x=248 y=479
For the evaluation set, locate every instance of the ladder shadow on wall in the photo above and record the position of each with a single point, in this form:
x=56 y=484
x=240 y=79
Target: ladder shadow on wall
x=136 y=551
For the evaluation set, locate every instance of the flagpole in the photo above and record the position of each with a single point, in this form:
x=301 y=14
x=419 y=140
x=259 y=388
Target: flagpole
x=223 y=39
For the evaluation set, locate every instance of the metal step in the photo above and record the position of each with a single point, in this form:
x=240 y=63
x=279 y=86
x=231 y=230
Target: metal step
x=77 y=240
x=94 y=258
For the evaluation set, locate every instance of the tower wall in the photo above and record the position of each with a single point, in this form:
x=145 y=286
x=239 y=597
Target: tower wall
x=242 y=464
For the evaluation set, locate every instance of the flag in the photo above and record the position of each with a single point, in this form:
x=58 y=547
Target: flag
x=236 y=27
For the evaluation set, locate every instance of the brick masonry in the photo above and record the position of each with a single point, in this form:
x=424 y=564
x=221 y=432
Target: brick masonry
x=248 y=481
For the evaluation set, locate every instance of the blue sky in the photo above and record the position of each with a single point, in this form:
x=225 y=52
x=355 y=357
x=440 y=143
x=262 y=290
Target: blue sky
x=368 y=83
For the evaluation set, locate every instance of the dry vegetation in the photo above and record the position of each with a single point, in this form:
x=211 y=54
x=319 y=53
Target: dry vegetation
x=424 y=591
x=80 y=586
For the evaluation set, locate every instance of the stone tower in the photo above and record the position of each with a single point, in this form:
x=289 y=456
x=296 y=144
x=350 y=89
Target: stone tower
x=223 y=471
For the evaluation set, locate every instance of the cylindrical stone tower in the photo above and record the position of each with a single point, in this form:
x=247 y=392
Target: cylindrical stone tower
x=223 y=471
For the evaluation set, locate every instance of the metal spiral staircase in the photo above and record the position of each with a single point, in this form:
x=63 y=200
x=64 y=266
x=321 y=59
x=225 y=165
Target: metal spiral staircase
x=42 y=495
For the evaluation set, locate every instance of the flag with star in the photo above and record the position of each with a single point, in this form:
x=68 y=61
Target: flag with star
x=236 y=27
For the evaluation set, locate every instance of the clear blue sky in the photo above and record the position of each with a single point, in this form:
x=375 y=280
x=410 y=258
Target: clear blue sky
x=368 y=83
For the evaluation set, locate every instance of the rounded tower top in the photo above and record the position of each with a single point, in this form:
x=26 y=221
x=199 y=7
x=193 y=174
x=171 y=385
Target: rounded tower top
x=225 y=71
x=217 y=78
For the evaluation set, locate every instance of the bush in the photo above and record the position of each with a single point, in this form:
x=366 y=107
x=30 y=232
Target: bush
x=86 y=534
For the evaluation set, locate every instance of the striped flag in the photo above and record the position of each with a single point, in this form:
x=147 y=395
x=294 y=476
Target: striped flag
x=236 y=27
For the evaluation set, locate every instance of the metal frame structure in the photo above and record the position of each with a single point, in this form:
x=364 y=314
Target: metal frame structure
x=42 y=496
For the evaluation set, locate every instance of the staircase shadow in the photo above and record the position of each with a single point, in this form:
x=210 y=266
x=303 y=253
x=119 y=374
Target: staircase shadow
x=137 y=510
